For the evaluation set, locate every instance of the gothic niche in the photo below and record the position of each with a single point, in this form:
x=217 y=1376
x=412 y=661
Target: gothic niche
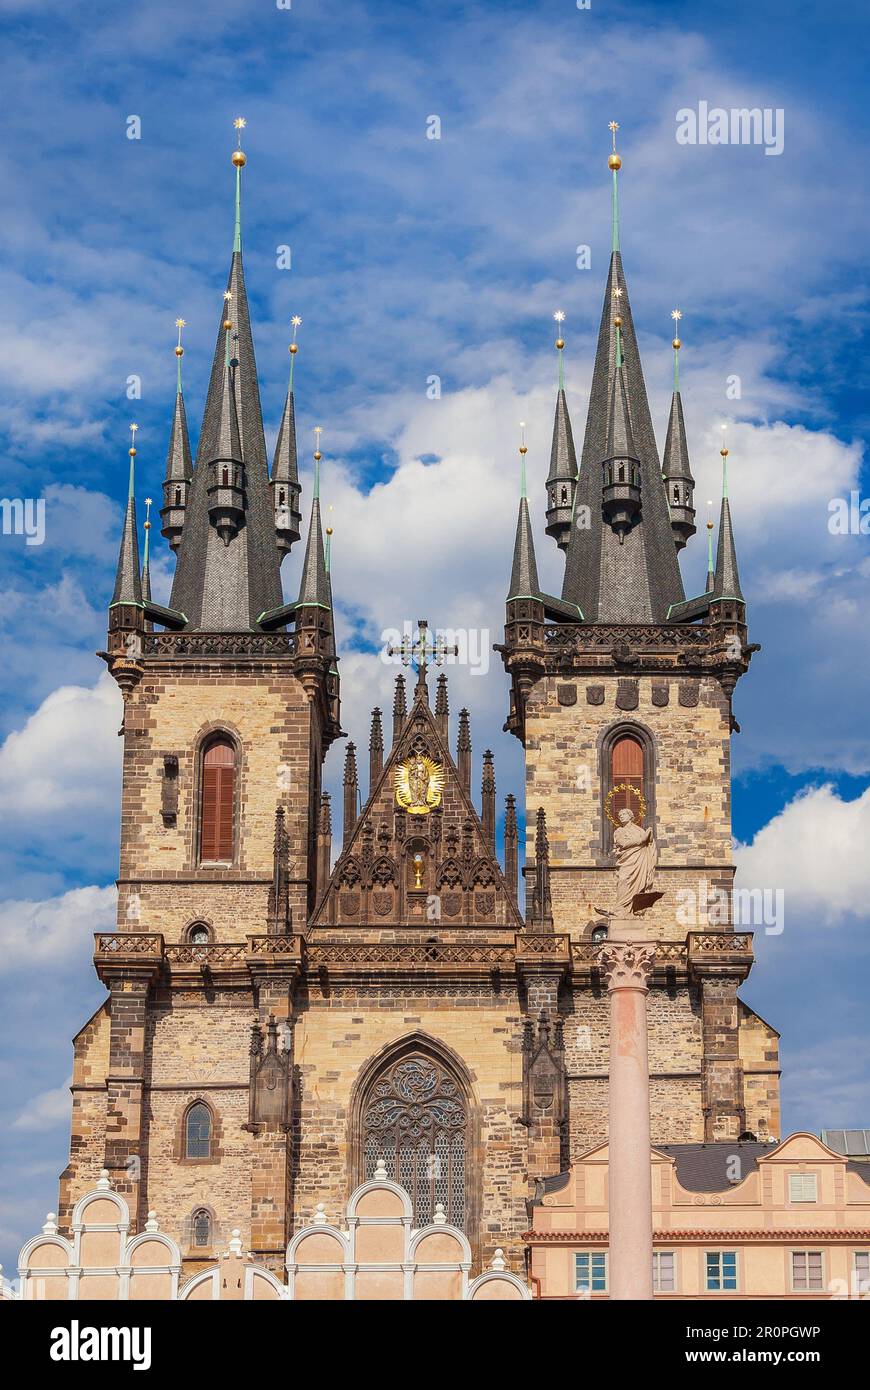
x=544 y=1088
x=417 y=866
x=269 y=1093
x=414 y=1116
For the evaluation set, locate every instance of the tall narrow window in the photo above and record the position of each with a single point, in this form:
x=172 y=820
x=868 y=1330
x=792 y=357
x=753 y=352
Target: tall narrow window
x=414 y=1117
x=197 y=1131
x=218 y=801
x=626 y=773
x=201 y=1228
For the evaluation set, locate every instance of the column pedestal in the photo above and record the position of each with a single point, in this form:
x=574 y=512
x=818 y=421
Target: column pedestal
x=627 y=963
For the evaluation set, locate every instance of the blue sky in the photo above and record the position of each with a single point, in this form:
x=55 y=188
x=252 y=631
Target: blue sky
x=412 y=258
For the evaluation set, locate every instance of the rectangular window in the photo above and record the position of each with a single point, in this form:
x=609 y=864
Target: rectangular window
x=664 y=1271
x=861 y=1271
x=590 y=1272
x=722 y=1271
x=802 y=1187
x=806 y=1271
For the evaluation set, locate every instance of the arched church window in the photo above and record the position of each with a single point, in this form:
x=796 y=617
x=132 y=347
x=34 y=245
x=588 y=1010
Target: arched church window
x=218 y=802
x=598 y=934
x=626 y=765
x=564 y=495
x=676 y=494
x=622 y=472
x=225 y=478
x=197 y=1131
x=198 y=934
x=202 y=1228
x=414 y=1116
x=627 y=778
x=178 y=497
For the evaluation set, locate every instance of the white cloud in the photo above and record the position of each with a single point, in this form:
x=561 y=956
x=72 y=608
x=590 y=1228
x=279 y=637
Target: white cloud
x=46 y=1110
x=36 y=933
x=65 y=761
x=816 y=849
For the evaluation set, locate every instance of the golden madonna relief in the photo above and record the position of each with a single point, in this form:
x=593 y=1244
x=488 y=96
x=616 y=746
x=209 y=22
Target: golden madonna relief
x=419 y=782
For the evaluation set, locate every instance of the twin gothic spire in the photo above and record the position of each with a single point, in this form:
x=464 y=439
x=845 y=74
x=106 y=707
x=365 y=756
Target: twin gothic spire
x=621 y=516
x=229 y=523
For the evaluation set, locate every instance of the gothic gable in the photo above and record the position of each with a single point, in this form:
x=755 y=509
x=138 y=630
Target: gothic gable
x=418 y=856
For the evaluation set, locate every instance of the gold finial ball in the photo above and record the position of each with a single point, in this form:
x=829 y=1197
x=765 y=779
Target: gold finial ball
x=294 y=347
x=329 y=530
x=615 y=161
x=709 y=526
x=560 y=343
x=179 y=351
x=617 y=322
x=147 y=526
x=132 y=453
x=240 y=159
x=677 y=344
x=524 y=449
x=724 y=452
x=318 y=455
x=228 y=323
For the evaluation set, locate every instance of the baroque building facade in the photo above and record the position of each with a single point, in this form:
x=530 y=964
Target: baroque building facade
x=280 y=1028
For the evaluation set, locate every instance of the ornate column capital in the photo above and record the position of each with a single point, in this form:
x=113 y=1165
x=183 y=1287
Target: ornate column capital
x=627 y=964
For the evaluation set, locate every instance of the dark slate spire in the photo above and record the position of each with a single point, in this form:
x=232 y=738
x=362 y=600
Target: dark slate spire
x=637 y=581
x=226 y=587
x=676 y=471
x=285 y=485
x=524 y=571
x=128 y=581
x=562 y=477
x=314 y=587
x=726 y=583
x=621 y=495
x=179 y=464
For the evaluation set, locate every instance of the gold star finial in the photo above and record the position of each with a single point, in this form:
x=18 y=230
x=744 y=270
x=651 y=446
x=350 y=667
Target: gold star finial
x=132 y=450
x=240 y=124
x=614 y=162
x=228 y=294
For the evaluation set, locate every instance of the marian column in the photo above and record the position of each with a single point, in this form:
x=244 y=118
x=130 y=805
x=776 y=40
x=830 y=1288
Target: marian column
x=627 y=962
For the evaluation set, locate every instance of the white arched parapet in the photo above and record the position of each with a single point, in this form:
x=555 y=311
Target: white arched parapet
x=442 y=1229
x=101 y=1194
x=440 y=1256
x=155 y=1266
x=201 y=1286
x=206 y=1286
x=329 y=1273
x=515 y=1290
x=378 y=1185
x=35 y=1273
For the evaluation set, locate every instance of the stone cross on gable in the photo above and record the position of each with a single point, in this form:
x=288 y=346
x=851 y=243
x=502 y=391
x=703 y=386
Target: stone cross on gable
x=421 y=650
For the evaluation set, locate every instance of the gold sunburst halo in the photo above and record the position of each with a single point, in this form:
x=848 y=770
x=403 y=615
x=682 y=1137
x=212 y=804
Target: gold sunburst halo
x=635 y=791
x=419 y=783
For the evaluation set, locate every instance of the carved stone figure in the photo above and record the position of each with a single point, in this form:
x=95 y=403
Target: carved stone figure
x=635 y=861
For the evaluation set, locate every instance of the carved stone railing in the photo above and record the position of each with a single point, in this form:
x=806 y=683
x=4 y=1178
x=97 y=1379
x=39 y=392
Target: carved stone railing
x=543 y=944
x=721 y=953
x=219 y=644
x=274 y=945
x=210 y=953
x=128 y=943
x=590 y=637
x=409 y=953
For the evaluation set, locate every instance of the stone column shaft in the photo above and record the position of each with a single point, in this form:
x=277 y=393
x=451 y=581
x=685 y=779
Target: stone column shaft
x=628 y=967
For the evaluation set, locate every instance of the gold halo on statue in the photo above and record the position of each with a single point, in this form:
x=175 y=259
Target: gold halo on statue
x=625 y=787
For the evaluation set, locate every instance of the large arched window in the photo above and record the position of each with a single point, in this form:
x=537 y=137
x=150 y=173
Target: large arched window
x=414 y=1115
x=197 y=1131
x=218 y=796
x=627 y=777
